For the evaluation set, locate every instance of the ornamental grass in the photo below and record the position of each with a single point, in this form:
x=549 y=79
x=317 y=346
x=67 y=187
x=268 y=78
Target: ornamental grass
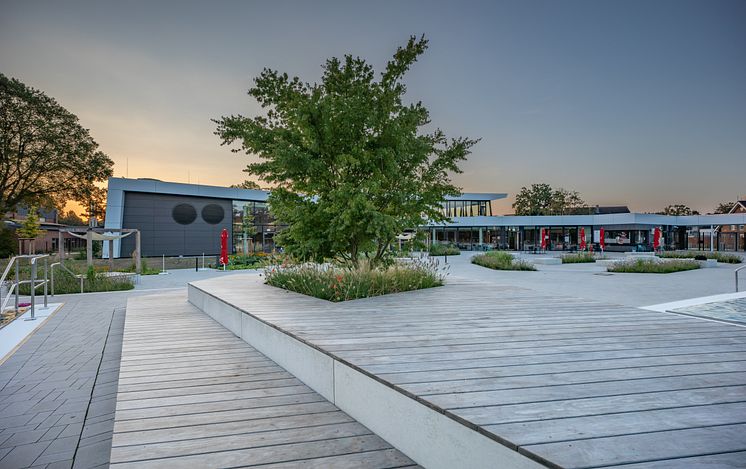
x=579 y=258
x=649 y=266
x=720 y=256
x=499 y=260
x=444 y=250
x=338 y=283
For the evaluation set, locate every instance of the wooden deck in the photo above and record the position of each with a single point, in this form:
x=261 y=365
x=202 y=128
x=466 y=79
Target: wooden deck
x=568 y=382
x=191 y=394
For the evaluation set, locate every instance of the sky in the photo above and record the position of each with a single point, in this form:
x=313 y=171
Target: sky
x=629 y=102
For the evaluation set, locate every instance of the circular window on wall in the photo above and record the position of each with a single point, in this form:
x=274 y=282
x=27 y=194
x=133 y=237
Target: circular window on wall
x=213 y=214
x=184 y=214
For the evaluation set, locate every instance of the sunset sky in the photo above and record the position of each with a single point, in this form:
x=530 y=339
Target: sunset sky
x=630 y=102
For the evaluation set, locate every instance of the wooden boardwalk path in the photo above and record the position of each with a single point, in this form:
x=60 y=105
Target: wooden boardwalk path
x=567 y=382
x=191 y=394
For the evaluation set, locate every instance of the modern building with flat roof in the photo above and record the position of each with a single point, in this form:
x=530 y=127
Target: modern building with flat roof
x=178 y=219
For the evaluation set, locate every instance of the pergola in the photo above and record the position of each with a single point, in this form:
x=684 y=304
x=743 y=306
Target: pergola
x=102 y=234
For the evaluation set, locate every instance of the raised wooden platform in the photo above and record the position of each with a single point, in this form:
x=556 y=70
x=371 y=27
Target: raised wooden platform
x=191 y=394
x=557 y=381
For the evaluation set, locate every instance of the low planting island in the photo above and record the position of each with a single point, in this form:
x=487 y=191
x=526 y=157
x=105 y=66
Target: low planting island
x=650 y=266
x=338 y=283
x=500 y=260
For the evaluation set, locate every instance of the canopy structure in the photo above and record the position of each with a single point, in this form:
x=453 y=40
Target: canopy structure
x=91 y=234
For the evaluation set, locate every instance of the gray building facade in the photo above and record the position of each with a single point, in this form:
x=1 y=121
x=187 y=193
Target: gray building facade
x=184 y=219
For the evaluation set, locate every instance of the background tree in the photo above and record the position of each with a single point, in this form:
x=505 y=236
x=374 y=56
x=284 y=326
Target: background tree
x=44 y=152
x=94 y=205
x=31 y=228
x=248 y=227
x=71 y=219
x=542 y=199
x=247 y=184
x=348 y=161
x=724 y=207
x=678 y=209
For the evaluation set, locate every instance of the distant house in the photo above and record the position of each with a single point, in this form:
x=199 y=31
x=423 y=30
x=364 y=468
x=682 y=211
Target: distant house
x=733 y=237
x=49 y=240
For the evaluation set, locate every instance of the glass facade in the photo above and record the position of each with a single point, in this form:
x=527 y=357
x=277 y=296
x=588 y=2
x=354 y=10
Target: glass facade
x=262 y=225
x=467 y=208
x=559 y=238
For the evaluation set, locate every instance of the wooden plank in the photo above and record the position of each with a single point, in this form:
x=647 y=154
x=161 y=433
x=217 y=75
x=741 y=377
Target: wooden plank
x=642 y=447
x=535 y=370
x=200 y=397
x=615 y=424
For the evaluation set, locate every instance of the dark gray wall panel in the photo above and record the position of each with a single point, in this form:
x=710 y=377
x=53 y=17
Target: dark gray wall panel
x=161 y=235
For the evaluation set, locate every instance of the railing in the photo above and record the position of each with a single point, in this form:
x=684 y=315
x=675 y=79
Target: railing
x=736 y=272
x=14 y=288
x=63 y=266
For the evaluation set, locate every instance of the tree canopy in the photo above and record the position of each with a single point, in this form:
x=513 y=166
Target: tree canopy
x=71 y=219
x=350 y=164
x=542 y=199
x=724 y=207
x=247 y=184
x=678 y=209
x=45 y=154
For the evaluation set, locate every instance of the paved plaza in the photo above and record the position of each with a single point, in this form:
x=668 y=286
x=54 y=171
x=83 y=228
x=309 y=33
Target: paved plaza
x=58 y=391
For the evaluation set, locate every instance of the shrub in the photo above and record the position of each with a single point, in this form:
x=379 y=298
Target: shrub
x=335 y=283
x=646 y=266
x=444 y=250
x=581 y=257
x=699 y=255
x=499 y=260
x=241 y=262
x=94 y=281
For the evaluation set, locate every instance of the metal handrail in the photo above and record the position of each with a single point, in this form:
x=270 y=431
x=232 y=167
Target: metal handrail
x=14 y=289
x=62 y=264
x=736 y=273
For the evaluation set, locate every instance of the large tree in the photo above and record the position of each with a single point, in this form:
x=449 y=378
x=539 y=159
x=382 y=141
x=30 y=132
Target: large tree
x=45 y=154
x=678 y=209
x=350 y=164
x=724 y=207
x=542 y=199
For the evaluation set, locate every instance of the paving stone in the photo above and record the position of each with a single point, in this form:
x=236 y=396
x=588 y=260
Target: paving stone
x=23 y=455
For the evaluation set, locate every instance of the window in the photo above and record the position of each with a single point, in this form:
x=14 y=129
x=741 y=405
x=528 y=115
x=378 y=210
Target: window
x=213 y=214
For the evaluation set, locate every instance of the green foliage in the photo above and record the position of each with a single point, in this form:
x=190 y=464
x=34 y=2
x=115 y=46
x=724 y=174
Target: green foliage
x=45 y=154
x=724 y=207
x=438 y=249
x=94 y=281
x=71 y=219
x=647 y=266
x=678 y=209
x=247 y=184
x=8 y=241
x=720 y=256
x=335 y=283
x=500 y=260
x=579 y=258
x=31 y=226
x=241 y=262
x=351 y=166
x=542 y=199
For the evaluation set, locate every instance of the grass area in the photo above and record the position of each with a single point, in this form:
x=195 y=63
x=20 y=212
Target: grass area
x=94 y=281
x=579 y=258
x=720 y=256
x=335 y=283
x=499 y=260
x=648 y=266
x=444 y=250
